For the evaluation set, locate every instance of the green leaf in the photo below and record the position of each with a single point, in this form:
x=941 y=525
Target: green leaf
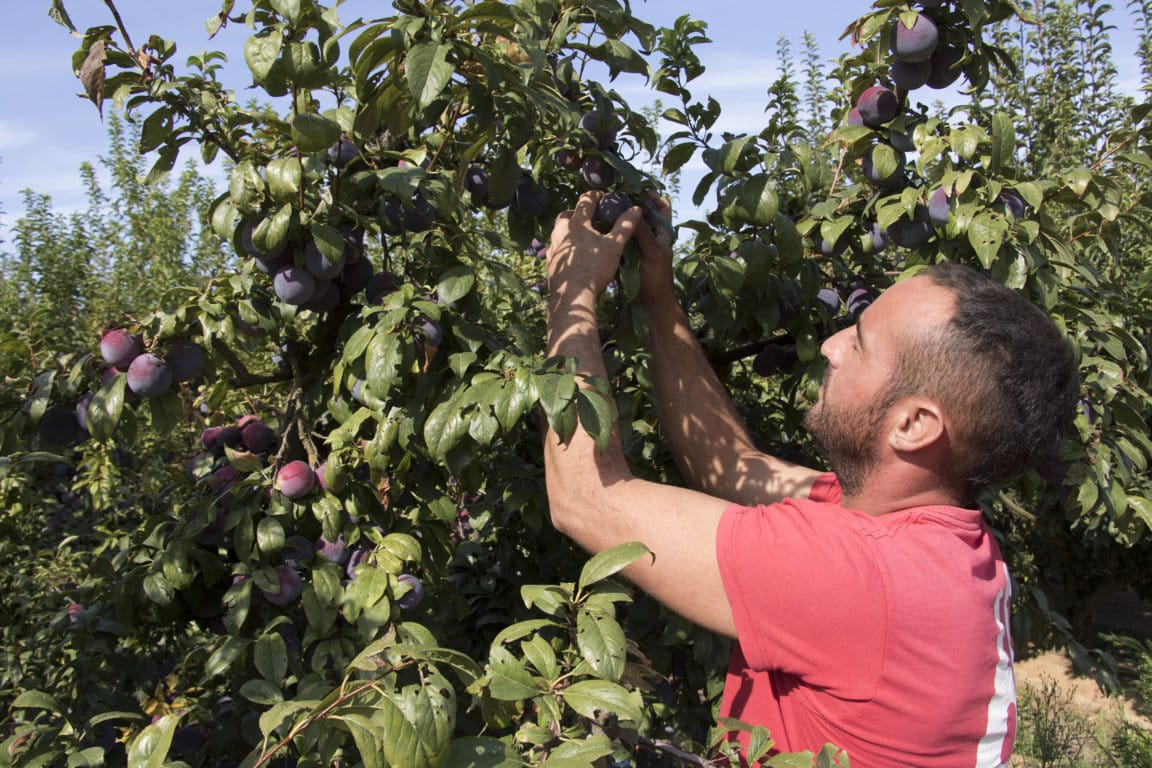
x=481 y=751
x=556 y=392
x=521 y=629
x=313 y=133
x=965 y=142
x=261 y=692
x=284 y=176
x=455 y=283
x=580 y=753
x=1003 y=142
x=87 y=758
x=150 y=747
x=329 y=241
x=382 y=363
x=610 y=561
x=106 y=406
x=444 y=428
x=750 y=201
x=428 y=71
x=596 y=415
x=37 y=700
x=225 y=656
x=57 y=13
x=986 y=234
x=271 y=657
x=508 y=680
x=167 y=411
x=289 y=9
x=601 y=642
x=1143 y=509
x=591 y=698
x=261 y=51
x=548 y=598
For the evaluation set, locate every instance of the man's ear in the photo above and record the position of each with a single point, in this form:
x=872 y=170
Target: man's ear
x=917 y=424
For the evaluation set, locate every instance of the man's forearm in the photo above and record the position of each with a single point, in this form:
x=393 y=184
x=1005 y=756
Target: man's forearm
x=706 y=434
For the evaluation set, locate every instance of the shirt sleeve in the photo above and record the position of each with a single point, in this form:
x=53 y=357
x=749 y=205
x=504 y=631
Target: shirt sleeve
x=807 y=594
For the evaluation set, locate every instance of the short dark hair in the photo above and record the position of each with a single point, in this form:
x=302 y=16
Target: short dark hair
x=1002 y=369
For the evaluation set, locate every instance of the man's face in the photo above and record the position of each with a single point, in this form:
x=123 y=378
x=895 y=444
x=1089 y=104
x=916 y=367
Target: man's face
x=849 y=422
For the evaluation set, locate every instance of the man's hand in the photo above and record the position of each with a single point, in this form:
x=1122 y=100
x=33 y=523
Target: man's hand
x=656 y=249
x=580 y=258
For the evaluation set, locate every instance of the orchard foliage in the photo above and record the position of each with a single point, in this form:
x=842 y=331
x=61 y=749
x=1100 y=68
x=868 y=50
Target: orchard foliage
x=302 y=521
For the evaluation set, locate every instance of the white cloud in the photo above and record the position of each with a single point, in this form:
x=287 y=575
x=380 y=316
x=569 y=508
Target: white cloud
x=12 y=135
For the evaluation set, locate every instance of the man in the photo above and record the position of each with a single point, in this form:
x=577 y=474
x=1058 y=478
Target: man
x=870 y=606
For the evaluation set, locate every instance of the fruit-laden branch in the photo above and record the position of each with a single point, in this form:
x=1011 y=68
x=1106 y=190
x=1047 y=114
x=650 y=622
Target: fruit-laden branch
x=243 y=377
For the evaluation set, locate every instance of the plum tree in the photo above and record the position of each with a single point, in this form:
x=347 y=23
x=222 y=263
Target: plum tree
x=416 y=374
x=149 y=375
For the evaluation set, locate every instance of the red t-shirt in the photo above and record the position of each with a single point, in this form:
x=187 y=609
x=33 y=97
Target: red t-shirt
x=887 y=636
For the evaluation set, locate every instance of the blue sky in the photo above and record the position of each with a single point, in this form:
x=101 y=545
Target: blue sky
x=47 y=131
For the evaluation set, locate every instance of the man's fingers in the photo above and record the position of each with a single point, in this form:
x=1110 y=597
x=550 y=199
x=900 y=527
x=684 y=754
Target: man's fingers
x=626 y=225
x=662 y=205
x=586 y=207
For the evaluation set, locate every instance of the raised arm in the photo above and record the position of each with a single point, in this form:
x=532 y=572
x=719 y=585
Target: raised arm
x=708 y=438
x=592 y=495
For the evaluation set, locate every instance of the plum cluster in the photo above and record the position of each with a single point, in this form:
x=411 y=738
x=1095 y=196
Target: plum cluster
x=150 y=374
x=308 y=274
x=926 y=51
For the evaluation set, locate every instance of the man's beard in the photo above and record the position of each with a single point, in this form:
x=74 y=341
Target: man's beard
x=847 y=438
